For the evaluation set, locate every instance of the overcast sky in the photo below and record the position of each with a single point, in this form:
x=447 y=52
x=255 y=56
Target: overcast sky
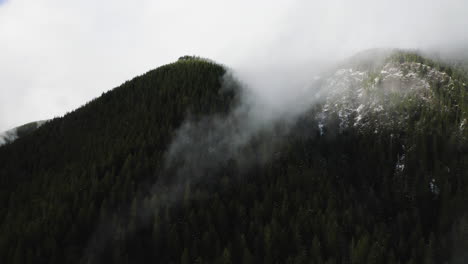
x=55 y=55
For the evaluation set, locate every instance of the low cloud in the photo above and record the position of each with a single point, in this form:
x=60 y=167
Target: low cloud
x=57 y=55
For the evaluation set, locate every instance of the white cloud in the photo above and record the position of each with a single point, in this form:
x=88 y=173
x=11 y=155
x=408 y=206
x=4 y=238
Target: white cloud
x=55 y=55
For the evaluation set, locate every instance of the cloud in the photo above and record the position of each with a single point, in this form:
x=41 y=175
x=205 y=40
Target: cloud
x=56 y=55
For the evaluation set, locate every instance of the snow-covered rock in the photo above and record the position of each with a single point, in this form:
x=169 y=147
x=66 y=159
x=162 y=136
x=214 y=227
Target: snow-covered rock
x=375 y=96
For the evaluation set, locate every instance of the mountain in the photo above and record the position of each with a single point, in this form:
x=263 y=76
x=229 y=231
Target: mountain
x=161 y=169
x=388 y=92
x=18 y=132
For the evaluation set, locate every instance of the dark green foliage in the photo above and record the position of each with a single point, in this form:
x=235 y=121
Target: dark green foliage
x=56 y=183
x=331 y=198
x=27 y=129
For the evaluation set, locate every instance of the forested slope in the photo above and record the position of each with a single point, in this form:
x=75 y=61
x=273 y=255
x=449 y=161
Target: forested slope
x=92 y=187
x=55 y=182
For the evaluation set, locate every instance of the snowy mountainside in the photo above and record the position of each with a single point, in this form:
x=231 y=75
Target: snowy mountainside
x=387 y=95
x=403 y=97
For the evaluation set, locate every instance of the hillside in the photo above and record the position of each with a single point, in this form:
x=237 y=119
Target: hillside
x=375 y=172
x=17 y=132
x=73 y=168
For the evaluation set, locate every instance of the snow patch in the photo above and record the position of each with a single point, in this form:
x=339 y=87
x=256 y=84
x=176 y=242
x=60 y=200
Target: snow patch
x=433 y=187
x=400 y=165
x=359 y=109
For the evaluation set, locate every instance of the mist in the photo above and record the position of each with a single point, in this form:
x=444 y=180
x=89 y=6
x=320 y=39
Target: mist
x=57 y=56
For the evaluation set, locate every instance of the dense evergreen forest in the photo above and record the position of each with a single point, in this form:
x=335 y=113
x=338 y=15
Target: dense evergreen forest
x=93 y=186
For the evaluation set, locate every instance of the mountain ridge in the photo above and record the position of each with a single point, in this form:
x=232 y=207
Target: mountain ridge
x=97 y=186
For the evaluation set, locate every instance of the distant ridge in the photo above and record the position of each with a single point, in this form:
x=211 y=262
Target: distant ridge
x=18 y=132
